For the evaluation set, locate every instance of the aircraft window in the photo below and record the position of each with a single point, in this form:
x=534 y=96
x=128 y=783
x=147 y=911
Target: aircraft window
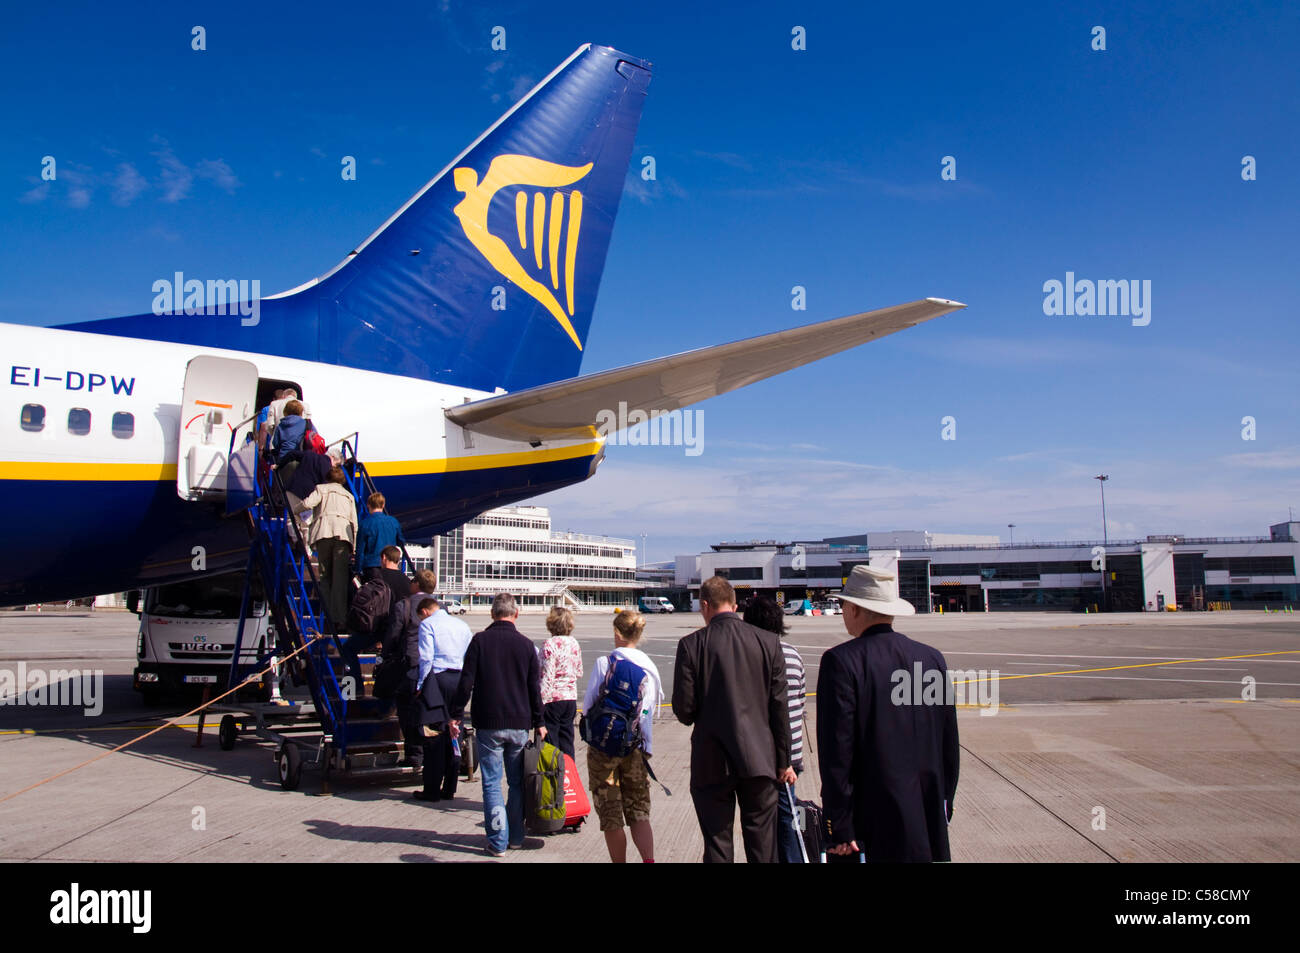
x=123 y=425
x=33 y=417
x=79 y=421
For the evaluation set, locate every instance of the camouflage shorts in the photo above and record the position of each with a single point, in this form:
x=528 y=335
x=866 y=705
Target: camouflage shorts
x=620 y=788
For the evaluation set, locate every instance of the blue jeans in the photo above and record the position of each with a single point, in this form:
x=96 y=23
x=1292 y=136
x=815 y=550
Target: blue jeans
x=787 y=835
x=502 y=750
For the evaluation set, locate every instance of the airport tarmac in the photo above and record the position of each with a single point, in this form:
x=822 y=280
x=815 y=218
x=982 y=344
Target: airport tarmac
x=1115 y=738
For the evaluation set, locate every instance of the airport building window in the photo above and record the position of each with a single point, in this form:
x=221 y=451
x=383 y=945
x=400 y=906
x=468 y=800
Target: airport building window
x=1025 y=571
x=1253 y=565
x=123 y=426
x=1189 y=573
x=79 y=421
x=545 y=572
x=544 y=546
x=1259 y=595
x=914 y=582
x=812 y=572
x=451 y=560
x=32 y=418
x=1063 y=598
x=955 y=569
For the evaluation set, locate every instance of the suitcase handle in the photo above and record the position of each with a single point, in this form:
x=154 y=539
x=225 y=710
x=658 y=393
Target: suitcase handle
x=799 y=818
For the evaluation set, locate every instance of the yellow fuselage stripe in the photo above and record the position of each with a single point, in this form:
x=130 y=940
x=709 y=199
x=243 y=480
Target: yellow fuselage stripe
x=122 y=472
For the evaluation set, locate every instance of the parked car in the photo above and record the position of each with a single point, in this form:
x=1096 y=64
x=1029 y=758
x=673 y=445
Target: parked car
x=453 y=606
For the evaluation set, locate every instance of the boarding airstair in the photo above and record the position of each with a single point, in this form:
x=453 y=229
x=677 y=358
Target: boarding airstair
x=319 y=715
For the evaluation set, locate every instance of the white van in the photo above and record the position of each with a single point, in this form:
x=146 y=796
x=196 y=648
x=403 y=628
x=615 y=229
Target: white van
x=187 y=635
x=656 y=604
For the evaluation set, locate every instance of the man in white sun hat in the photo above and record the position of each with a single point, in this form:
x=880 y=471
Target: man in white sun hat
x=888 y=748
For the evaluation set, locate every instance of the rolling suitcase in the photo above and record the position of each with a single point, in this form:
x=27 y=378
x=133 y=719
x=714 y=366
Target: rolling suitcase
x=468 y=751
x=576 y=803
x=815 y=833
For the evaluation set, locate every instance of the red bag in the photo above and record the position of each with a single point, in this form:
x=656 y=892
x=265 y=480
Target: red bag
x=315 y=440
x=576 y=803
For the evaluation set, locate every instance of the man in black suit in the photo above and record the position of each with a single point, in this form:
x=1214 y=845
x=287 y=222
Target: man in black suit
x=888 y=745
x=729 y=682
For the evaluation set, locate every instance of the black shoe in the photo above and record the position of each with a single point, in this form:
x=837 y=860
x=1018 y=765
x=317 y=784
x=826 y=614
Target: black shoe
x=423 y=796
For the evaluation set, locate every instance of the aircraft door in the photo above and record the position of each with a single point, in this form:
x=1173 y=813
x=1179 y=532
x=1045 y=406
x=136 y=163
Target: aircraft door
x=220 y=395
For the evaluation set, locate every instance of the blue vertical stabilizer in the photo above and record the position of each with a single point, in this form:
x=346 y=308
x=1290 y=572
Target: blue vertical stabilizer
x=488 y=276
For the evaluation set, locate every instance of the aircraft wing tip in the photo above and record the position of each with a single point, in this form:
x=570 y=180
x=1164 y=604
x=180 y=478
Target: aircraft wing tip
x=948 y=302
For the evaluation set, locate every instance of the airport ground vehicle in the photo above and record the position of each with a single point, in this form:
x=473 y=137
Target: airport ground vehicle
x=829 y=607
x=655 y=604
x=453 y=607
x=187 y=635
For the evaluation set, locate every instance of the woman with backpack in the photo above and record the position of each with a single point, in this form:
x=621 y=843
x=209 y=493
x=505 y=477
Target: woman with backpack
x=622 y=699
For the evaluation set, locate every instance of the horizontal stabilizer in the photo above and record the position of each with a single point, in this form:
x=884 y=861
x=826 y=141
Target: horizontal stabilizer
x=569 y=408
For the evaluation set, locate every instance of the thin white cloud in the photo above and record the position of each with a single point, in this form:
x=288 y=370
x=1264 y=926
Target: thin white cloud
x=708 y=500
x=1265 y=460
x=127 y=184
x=732 y=159
x=174 y=177
x=80 y=185
x=219 y=173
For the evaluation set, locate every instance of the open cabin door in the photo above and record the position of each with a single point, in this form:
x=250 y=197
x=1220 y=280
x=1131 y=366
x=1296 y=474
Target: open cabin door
x=220 y=395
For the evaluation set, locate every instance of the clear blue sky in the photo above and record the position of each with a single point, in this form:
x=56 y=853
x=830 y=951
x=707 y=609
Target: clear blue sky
x=776 y=168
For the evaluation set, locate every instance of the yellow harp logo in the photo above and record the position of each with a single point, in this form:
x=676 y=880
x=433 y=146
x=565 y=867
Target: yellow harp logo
x=547 y=227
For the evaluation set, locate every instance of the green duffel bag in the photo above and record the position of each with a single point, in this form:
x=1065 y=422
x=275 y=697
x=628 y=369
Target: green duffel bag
x=543 y=788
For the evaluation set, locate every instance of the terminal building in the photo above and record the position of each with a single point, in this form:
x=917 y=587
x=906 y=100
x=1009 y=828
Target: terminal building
x=955 y=573
x=513 y=549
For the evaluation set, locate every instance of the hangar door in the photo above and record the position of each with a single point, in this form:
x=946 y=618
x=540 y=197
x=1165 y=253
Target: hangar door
x=220 y=395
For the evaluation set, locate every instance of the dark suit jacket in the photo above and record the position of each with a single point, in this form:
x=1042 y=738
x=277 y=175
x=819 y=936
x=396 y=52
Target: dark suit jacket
x=729 y=682
x=403 y=636
x=886 y=768
x=434 y=706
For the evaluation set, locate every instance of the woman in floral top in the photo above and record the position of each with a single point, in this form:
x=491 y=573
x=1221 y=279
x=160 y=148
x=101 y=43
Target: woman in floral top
x=561 y=670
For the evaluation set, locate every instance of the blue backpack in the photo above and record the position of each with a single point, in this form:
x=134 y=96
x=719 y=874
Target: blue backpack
x=613 y=726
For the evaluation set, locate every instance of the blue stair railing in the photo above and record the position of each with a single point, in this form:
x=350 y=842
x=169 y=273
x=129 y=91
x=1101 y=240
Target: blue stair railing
x=280 y=556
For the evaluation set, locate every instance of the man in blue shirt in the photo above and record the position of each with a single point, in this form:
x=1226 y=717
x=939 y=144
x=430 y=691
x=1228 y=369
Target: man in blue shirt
x=443 y=641
x=378 y=530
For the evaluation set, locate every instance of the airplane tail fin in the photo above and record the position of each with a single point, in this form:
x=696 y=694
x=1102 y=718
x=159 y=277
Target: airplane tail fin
x=487 y=276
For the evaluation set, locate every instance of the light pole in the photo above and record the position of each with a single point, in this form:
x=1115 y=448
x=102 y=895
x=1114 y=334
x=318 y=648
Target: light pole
x=1105 y=539
x=643 y=558
x=1012 y=528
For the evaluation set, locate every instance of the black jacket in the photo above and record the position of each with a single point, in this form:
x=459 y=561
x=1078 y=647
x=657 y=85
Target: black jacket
x=886 y=768
x=503 y=675
x=399 y=584
x=403 y=636
x=433 y=707
x=313 y=470
x=729 y=682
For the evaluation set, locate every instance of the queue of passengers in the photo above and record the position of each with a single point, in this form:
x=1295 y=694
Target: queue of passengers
x=735 y=681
